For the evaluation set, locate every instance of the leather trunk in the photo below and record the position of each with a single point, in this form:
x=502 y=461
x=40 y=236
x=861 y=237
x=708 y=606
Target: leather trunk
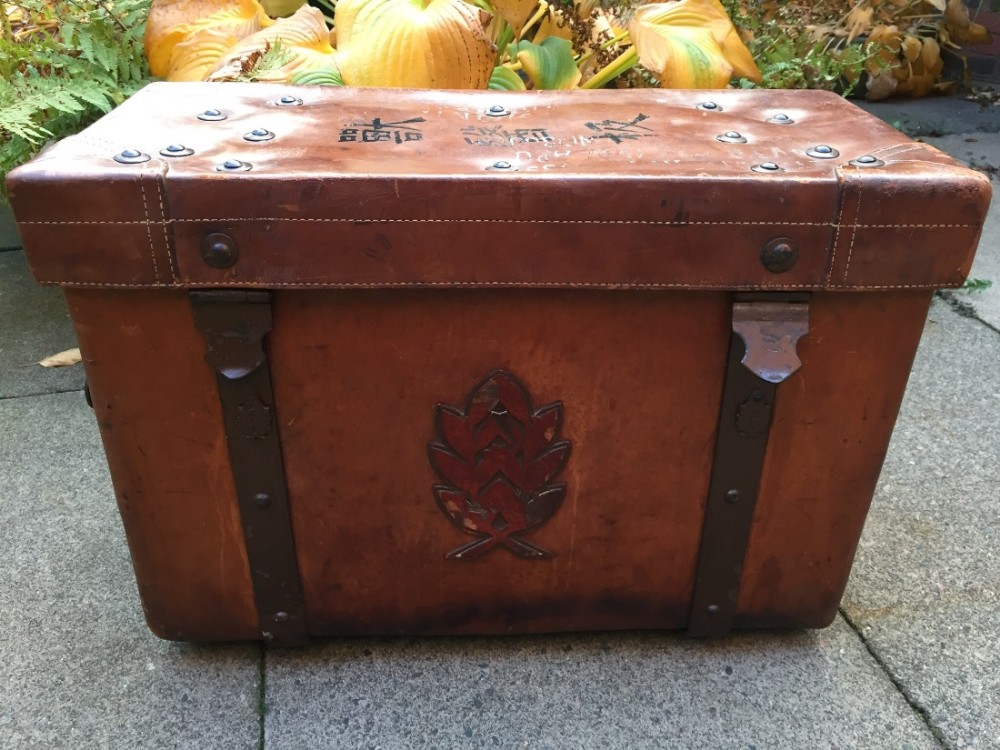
x=442 y=362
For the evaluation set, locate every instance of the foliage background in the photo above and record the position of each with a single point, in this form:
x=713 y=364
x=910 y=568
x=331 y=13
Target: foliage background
x=62 y=64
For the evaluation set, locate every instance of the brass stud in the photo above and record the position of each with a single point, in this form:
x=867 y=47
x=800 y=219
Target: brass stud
x=781 y=119
x=866 y=161
x=212 y=115
x=234 y=165
x=176 y=149
x=131 y=156
x=823 y=152
x=258 y=135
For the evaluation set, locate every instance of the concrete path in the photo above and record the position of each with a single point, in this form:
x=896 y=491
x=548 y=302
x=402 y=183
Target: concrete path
x=912 y=663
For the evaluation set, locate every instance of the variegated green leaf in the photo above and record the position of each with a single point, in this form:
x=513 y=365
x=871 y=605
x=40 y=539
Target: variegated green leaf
x=549 y=65
x=505 y=79
x=320 y=77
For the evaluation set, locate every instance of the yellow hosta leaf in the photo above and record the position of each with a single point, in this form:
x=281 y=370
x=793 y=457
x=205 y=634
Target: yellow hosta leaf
x=304 y=37
x=687 y=58
x=199 y=54
x=515 y=12
x=689 y=41
x=172 y=22
x=442 y=44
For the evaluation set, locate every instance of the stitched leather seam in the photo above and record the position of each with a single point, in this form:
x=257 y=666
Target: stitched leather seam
x=166 y=237
x=149 y=233
x=854 y=234
x=611 y=286
x=910 y=147
x=842 y=187
x=530 y=221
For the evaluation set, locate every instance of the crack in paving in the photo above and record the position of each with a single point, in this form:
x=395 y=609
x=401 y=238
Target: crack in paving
x=912 y=702
x=963 y=308
x=261 y=697
x=40 y=394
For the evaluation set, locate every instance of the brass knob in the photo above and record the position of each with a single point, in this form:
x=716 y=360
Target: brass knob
x=219 y=250
x=779 y=255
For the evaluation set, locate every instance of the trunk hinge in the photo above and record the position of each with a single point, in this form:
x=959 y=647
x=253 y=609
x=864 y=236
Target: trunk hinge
x=766 y=329
x=234 y=324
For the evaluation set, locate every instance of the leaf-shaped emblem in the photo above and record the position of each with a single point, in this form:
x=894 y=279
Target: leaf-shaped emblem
x=498 y=458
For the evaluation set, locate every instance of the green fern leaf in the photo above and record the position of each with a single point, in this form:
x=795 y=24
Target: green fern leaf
x=95 y=97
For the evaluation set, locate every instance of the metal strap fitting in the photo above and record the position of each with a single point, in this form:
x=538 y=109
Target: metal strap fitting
x=766 y=329
x=234 y=324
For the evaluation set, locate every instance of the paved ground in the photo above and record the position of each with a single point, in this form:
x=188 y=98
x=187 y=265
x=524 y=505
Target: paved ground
x=912 y=663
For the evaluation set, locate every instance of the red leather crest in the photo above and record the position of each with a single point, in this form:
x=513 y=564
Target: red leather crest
x=498 y=459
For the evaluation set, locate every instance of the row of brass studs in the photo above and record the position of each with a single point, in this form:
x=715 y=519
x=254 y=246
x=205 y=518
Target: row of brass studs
x=258 y=135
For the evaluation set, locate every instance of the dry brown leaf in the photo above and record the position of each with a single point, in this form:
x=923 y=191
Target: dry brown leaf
x=956 y=14
x=930 y=56
x=881 y=86
x=911 y=48
x=960 y=25
x=859 y=20
x=62 y=359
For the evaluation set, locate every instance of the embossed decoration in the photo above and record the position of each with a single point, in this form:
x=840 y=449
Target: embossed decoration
x=753 y=415
x=497 y=459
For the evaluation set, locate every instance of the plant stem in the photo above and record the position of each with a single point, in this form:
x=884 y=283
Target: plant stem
x=543 y=8
x=504 y=39
x=625 y=61
x=610 y=43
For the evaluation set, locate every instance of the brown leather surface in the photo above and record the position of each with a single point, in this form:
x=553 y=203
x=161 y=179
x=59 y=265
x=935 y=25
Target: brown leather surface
x=639 y=376
x=640 y=411
x=158 y=411
x=342 y=230
x=357 y=375
x=829 y=436
x=671 y=207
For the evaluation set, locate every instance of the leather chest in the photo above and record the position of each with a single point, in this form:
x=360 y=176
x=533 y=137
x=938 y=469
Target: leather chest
x=436 y=362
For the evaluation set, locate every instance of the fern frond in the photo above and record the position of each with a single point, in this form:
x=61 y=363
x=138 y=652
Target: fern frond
x=71 y=61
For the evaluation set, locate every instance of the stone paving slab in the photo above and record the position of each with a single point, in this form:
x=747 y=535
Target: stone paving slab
x=935 y=116
x=819 y=690
x=9 y=236
x=34 y=323
x=78 y=667
x=925 y=590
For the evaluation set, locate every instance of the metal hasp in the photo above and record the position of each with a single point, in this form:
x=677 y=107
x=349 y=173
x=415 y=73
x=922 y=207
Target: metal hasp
x=766 y=329
x=234 y=324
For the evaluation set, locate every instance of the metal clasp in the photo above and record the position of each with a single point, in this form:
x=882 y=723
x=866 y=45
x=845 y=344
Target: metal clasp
x=771 y=331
